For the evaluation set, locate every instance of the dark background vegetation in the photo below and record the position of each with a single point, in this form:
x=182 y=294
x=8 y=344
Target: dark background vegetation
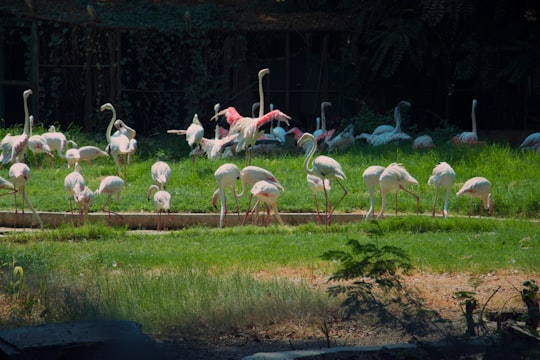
x=159 y=62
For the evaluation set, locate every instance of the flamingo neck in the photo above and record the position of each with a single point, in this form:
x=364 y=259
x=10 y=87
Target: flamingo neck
x=150 y=190
x=323 y=118
x=111 y=124
x=473 y=118
x=232 y=115
x=309 y=155
x=397 y=119
x=261 y=95
x=26 y=116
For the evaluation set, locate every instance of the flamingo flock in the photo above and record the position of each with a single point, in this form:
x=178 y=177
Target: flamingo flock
x=322 y=172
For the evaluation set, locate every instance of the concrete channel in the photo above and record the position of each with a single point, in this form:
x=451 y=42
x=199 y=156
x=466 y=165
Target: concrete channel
x=148 y=221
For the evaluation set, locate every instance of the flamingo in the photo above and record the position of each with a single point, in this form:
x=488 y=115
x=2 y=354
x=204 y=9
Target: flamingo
x=19 y=174
x=162 y=202
x=423 y=142
x=325 y=168
x=371 y=178
x=531 y=142
x=37 y=143
x=14 y=146
x=57 y=141
x=7 y=185
x=316 y=184
x=249 y=176
x=130 y=133
x=74 y=183
x=248 y=129
x=322 y=133
x=84 y=153
x=268 y=193
x=194 y=134
x=469 y=137
x=110 y=185
x=478 y=187
x=161 y=172
x=396 y=177
x=231 y=115
x=84 y=200
x=442 y=176
x=396 y=134
x=341 y=141
x=226 y=176
x=119 y=143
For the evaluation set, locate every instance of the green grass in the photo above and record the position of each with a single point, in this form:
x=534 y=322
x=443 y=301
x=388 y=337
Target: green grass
x=513 y=174
x=202 y=279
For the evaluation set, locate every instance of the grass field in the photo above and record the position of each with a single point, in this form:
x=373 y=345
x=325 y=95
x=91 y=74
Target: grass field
x=206 y=280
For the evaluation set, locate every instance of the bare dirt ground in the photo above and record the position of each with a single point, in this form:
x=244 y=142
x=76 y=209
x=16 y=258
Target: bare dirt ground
x=437 y=290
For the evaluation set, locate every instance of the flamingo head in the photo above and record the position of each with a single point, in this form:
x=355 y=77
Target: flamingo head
x=216 y=108
x=474 y=103
x=27 y=93
x=263 y=72
x=325 y=104
x=106 y=106
x=306 y=137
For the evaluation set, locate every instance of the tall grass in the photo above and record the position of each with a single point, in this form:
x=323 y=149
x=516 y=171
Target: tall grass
x=213 y=280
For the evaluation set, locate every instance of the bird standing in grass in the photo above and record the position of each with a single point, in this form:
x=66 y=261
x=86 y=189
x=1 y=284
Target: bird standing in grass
x=74 y=183
x=19 y=173
x=161 y=172
x=394 y=178
x=480 y=188
x=162 y=202
x=316 y=184
x=226 y=176
x=267 y=193
x=325 y=168
x=14 y=146
x=442 y=176
x=371 y=179
x=194 y=134
x=110 y=185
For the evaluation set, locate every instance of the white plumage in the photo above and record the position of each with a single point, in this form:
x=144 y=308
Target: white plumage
x=325 y=168
x=162 y=202
x=394 y=178
x=57 y=141
x=121 y=143
x=267 y=193
x=37 y=143
x=161 y=173
x=443 y=175
x=14 y=146
x=531 y=142
x=371 y=179
x=194 y=134
x=19 y=174
x=74 y=183
x=469 y=137
x=423 y=142
x=84 y=153
x=226 y=177
x=316 y=184
x=110 y=185
x=480 y=188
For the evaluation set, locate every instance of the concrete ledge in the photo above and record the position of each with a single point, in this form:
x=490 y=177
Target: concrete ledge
x=148 y=221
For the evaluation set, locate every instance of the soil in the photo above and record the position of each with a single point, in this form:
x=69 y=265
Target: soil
x=500 y=291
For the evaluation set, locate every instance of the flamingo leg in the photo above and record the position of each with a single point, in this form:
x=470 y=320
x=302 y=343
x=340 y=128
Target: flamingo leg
x=345 y=192
x=416 y=196
x=470 y=208
x=396 y=196
x=327 y=205
x=267 y=222
x=435 y=202
x=317 y=207
x=248 y=210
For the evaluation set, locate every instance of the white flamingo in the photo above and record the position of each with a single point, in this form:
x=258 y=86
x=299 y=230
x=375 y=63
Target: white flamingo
x=119 y=144
x=162 y=202
x=161 y=173
x=226 y=176
x=468 y=137
x=396 y=134
x=37 y=143
x=194 y=134
x=19 y=174
x=57 y=141
x=316 y=184
x=478 y=187
x=325 y=168
x=84 y=200
x=110 y=185
x=442 y=176
x=267 y=193
x=84 y=153
x=74 y=183
x=249 y=176
x=371 y=178
x=394 y=178
x=14 y=146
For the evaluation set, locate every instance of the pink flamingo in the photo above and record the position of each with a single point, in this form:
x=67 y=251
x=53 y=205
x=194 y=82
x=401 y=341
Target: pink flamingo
x=478 y=187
